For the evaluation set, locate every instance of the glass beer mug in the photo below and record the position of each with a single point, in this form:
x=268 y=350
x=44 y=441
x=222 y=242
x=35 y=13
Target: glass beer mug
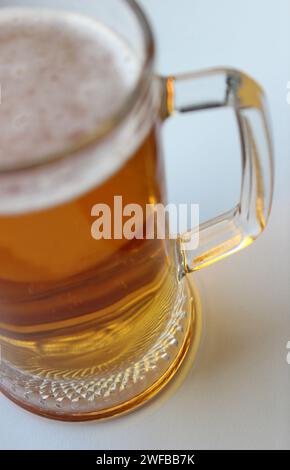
x=90 y=328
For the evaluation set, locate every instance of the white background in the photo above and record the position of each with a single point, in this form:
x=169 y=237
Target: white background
x=237 y=395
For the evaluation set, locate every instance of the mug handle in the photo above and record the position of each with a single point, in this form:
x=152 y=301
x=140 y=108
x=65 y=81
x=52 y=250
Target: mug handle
x=239 y=227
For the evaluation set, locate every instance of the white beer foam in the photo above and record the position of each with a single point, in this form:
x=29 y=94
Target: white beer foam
x=62 y=76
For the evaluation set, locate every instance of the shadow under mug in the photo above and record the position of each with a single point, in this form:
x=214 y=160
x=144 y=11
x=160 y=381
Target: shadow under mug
x=100 y=334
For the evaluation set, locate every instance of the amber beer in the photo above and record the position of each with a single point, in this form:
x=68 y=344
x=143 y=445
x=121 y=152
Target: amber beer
x=66 y=298
x=91 y=327
x=73 y=308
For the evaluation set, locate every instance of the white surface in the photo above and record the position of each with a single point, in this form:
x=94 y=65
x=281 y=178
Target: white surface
x=237 y=395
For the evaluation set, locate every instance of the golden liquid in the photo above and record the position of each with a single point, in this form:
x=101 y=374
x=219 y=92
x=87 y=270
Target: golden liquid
x=71 y=304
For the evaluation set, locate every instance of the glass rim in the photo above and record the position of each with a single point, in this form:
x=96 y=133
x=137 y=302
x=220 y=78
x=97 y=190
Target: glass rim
x=115 y=119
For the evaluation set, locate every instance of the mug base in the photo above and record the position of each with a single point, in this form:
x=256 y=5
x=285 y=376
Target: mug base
x=102 y=398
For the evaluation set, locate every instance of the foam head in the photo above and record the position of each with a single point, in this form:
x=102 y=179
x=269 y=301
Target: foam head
x=62 y=76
